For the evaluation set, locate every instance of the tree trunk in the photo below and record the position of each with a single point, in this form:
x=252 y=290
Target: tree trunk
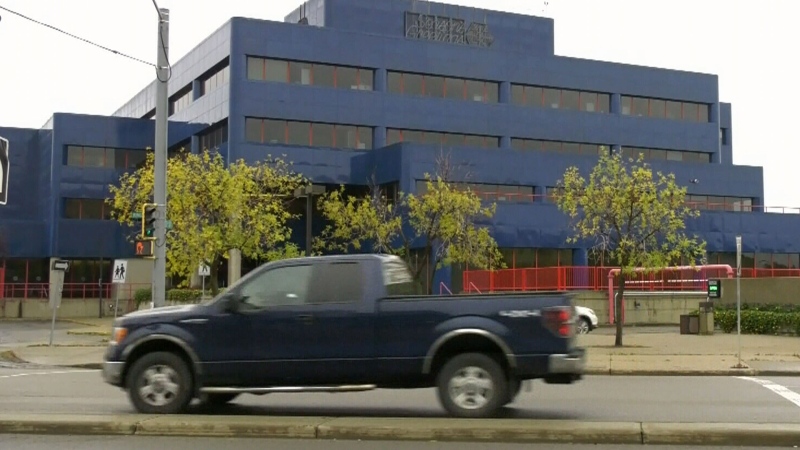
x=213 y=282
x=618 y=301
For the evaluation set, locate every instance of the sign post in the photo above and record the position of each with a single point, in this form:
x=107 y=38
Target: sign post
x=5 y=167
x=118 y=276
x=57 y=270
x=739 y=299
x=204 y=271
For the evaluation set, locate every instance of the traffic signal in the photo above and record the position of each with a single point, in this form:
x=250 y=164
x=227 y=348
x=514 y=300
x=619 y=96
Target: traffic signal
x=149 y=221
x=144 y=248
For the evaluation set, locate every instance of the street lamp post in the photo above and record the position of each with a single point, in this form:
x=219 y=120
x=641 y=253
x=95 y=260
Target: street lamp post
x=309 y=191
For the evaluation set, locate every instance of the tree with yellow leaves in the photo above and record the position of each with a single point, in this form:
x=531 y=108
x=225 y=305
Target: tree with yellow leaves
x=215 y=208
x=634 y=217
x=442 y=221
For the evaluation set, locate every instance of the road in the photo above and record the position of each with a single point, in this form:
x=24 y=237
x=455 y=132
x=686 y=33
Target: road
x=596 y=398
x=137 y=443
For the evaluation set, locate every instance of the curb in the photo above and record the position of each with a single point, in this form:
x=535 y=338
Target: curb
x=410 y=429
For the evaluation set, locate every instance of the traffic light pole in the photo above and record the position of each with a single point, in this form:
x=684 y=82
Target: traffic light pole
x=160 y=173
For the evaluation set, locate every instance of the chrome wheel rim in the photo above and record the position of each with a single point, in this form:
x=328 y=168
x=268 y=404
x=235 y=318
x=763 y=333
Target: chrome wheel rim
x=471 y=388
x=159 y=385
x=583 y=327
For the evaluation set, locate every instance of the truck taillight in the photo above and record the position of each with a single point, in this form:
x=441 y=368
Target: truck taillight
x=558 y=320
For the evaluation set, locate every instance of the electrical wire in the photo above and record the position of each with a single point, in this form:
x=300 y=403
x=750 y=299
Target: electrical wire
x=116 y=52
x=163 y=47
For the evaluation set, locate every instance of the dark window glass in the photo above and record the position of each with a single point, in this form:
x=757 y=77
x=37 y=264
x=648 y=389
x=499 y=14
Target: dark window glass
x=433 y=138
x=276 y=70
x=275 y=131
x=413 y=136
x=454 y=89
x=626 y=104
x=412 y=84
x=366 y=79
x=571 y=147
x=252 y=130
x=136 y=159
x=604 y=103
x=434 y=86
x=393 y=136
x=255 y=68
x=589 y=102
x=284 y=286
x=473 y=141
x=658 y=154
x=329 y=288
x=534 y=96
x=590 y=149
x=476 y=91
x=94 y=157
x=298 y=133
x=299 y=73
x=551 y=146
x=72 y=208
x=492 y=92
x=674 y=156
x=641 y=107
x=346 y=136
x=703 y=113
x=673 y=110
x=346 y=78
x=452 y=139
x=120 y=159
x=690 y=112
x=536 y=145
x=657 y=108
x=322 y=135
x=74 y=155
x=492 y=141
x=364 y=138
x=517 y=94
x=324 y=75
x=519 y=144
x=552 y=98
x=91 y=209
x=395 y=82
x=570 y=100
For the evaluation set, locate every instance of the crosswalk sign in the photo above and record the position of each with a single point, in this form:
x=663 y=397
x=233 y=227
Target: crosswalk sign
x=120 y=271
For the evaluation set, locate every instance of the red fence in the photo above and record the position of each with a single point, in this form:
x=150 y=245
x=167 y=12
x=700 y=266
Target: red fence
x=41 y=291
x=596 y=279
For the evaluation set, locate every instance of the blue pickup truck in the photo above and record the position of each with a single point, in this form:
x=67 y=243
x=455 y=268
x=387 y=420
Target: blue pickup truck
x=342 y=324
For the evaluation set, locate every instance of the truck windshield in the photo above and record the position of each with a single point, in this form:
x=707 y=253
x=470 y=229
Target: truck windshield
x=398 y=280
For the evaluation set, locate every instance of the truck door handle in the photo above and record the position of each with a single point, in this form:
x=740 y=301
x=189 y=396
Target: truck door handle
x=305 y=318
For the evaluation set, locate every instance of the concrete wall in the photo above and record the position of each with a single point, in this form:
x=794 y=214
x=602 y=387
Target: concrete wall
x=780 y=291
x=643 y=309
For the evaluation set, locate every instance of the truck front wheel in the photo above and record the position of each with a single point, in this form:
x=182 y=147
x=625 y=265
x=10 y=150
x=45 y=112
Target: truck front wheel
x=472 y=385
x=160 y=383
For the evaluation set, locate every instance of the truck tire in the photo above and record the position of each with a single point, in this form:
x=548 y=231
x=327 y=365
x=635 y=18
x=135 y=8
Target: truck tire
x=472 y=385
x=514 y=387
x=160 y=383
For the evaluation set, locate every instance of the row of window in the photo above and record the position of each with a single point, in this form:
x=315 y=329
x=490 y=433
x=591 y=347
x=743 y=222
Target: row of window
x=664 y=109
x=720 y=203
x=104 y=157
x=394 y=136
x=306 y=73
x=181 y=100
x=215 y=79
x=491 y=192
x=271 y=131
x=544 y=97
x=86 y=209
x=666 y=155
x=443 y=87
x=214 y=136
x=574 y=148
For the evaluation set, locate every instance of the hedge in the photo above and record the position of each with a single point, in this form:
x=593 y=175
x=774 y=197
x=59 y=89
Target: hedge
x=173 y=295
x=759 y=321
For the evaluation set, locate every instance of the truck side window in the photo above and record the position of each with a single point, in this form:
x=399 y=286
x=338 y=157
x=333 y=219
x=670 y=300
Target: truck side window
x=339 y=282
x=282 y=286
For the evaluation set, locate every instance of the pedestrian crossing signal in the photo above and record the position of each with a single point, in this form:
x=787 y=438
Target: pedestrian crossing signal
x=144 y=248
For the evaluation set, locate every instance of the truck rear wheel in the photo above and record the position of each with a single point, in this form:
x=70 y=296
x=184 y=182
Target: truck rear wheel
x=472 y=385
x=160 y=383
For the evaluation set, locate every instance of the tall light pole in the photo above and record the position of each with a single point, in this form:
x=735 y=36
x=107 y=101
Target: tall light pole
x=160 y=170
x=739 y=298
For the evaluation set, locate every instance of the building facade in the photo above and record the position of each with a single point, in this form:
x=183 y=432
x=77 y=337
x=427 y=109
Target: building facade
x=349 y=90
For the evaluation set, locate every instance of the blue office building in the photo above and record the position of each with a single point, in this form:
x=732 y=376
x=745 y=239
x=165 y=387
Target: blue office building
x=351 y=89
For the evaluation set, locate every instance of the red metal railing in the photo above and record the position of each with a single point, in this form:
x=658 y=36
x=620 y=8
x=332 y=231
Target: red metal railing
x=596 y=279
x=41 y=291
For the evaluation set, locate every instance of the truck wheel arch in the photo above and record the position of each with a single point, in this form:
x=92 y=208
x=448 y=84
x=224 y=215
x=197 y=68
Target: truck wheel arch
x=467 y=336
x=161 y=342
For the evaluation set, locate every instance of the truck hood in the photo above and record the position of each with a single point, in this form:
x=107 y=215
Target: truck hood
x=162 y=313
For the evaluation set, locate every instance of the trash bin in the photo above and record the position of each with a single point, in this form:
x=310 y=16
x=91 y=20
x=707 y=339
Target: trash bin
x=689 y=324
x=706 y=317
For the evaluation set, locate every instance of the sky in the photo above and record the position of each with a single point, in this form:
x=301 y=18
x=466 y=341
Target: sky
x=747 y=44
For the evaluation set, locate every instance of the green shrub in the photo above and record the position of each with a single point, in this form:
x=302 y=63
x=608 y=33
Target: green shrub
x=142 y=296
x=756 y=321
x=184 y=295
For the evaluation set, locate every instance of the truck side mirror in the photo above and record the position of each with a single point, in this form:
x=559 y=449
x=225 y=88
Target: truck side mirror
x=230 y=303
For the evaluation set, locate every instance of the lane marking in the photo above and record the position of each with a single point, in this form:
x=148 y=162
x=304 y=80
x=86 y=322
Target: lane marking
x=59 y=372
x=783 y=391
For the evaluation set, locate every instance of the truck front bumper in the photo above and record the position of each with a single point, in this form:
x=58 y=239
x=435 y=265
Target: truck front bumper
x=572 y=363
x=112 y=372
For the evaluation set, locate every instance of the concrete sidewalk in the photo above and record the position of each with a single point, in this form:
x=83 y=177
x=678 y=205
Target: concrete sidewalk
x=647 y=351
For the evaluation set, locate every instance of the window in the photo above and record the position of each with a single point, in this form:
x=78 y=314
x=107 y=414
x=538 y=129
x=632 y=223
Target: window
x=653 y=154
x=560 y=98
x=310 y=73
x=723 y=136
x=443 y=139
x=328 y=285
x=271 y=131
x=103 y=157
x=282 y=286
x=181 y=100
x=664 y=109
x=86 y=209
x=491 y=192
x=214 y=136
x=453 y=88
x=575 y=148
x=218 y=77
x=719 y=203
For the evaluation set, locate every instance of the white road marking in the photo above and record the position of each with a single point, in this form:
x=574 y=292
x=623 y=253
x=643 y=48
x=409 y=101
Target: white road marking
x=59 y=372
x=783 y=391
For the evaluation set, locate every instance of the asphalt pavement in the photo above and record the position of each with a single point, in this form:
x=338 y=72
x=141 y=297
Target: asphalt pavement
x=596 y=398
x=27 y=442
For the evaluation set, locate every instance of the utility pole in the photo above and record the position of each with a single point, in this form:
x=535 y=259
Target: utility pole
x=160 y=170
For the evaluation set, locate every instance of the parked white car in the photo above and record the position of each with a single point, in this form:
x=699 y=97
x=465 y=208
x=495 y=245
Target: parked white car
x=587 y=319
